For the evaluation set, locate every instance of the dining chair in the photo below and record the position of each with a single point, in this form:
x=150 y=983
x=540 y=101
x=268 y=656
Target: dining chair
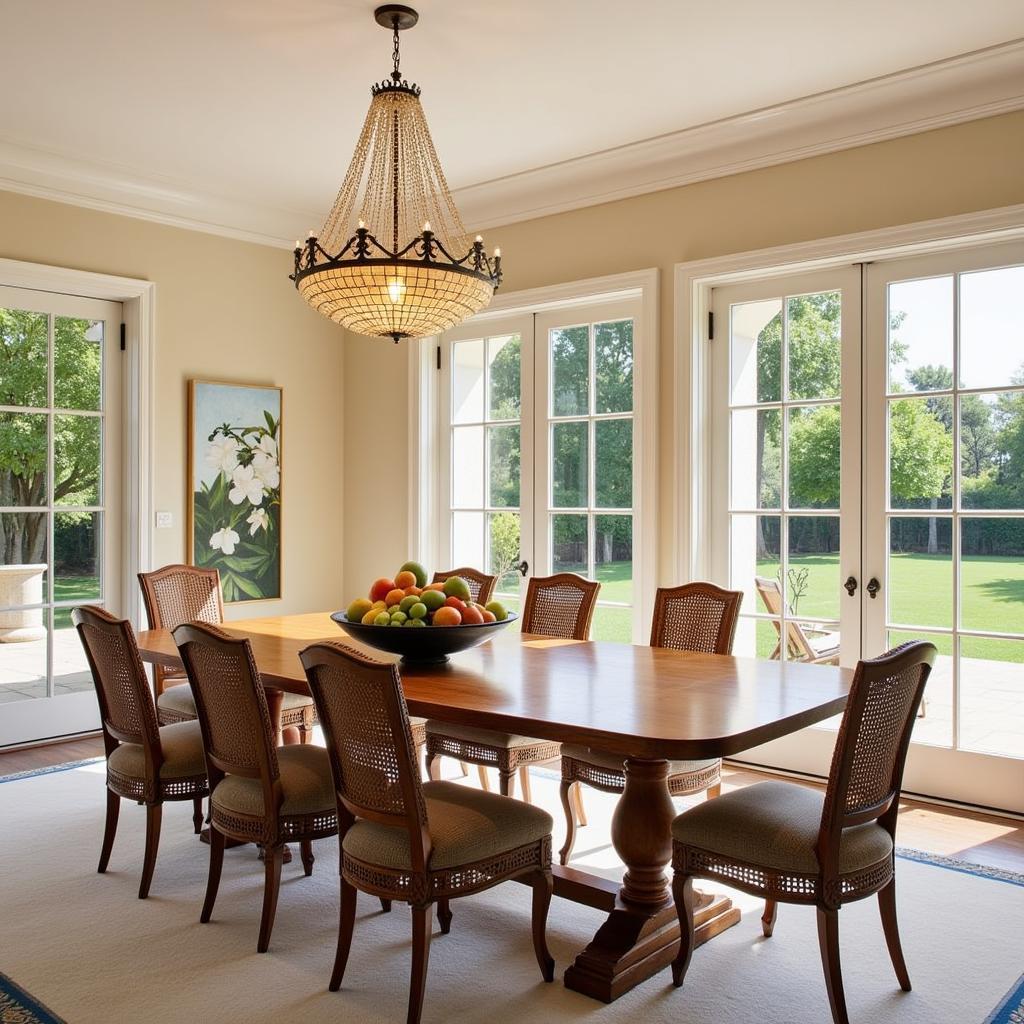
x=560 y=606
x=481 y=586
x=146 y=762
x=694 y=617
x=184 y=593
x=805 y=641
x=259 y=793
x=792 y=844
x=403 y=839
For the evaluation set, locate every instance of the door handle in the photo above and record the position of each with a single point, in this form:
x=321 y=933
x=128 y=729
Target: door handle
x=851 y=585
x=873 y=587
x=523 y=567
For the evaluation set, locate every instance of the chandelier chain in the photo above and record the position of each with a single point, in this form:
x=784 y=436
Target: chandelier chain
x=396 y=74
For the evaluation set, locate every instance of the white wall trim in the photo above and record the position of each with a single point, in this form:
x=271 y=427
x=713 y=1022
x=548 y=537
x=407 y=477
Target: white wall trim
x=423 y=454
x=693 y=284
x=139 y=311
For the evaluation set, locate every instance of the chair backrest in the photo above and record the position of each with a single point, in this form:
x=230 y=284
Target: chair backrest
x=238 y=736
x=481 y=586
x=797 y=643
x=867 y=765
x=561 y=605
x=127 y=711
x=696 y=617
x=362 y=711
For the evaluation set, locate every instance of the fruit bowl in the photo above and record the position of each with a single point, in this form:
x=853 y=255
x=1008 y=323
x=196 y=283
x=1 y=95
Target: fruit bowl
x=425 y=646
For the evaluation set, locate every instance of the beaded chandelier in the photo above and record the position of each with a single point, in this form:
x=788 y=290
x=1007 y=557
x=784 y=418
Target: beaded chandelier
x=395 y=276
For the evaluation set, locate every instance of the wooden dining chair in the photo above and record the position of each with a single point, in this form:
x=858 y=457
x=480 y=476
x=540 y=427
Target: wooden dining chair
x=184 y=593
x=792 y=844
x=259 y=793
x=402 y=839
x=694 y=617
x=561 y=606
x=481 y=586
x=146 y=762
x=805 y=642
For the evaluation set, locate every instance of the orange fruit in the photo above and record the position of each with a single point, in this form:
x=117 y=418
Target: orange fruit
x=405 y=579
x=413 y=591
x=447 y=616
x=456 y=602
x=488 y=616
x=394 y=597
x=435 y=586
x=472 y=616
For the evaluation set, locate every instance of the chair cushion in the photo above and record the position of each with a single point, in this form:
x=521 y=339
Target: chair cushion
x=466 y=825
x=183 y=754
x=179 y=698
x=613 y=762
x=825 y=643
x=306 y=785
x=484 y=737
x=774 y=825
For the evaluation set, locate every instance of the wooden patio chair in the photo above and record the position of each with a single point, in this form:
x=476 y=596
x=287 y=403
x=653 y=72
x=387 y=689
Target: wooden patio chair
x=259 y=793
x=146 y=763
x=793 y=844
x=407 y=840
x=183 y=593
x=805 y=641
x=693 y=617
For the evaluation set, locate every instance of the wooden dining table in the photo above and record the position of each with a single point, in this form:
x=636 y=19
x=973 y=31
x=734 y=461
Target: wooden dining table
x=649 y=705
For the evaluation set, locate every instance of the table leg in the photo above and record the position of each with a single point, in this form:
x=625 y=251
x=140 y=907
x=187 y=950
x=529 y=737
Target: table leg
x=641 y=933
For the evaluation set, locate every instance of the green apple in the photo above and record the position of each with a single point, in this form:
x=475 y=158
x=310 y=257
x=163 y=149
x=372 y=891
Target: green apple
x=498 y=610
x=432 y=599
x=456 y=586
x=418 y=571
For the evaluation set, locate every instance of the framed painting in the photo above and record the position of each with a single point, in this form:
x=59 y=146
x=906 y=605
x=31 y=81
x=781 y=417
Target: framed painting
x=234 y=507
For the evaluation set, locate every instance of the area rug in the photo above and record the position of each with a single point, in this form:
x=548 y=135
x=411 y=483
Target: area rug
x=84 y=946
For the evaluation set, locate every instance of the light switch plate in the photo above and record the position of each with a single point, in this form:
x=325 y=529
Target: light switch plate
x=164 y=520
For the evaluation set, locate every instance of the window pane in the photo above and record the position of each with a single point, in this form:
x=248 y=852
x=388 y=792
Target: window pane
x=614 y=624
x=23 y=663
x=569 y=484
x=78 y=362
x=992 y=450
x=992 y=696
x=755 y=350
x=76 y=460
x=503 y=356
x=814 y=448
x=755 y=552
x=613 y=366
x=991 y=327
x=76 y=560
x=468 y=381
x=756 y=638
x=921 y=335
x=504 y=465
x=468 y=467
x=613 y=557
x=920 y=591
x=468 y=539
x=23 y=345
x=613 y=463
x=756 y=458
x=813 y=324
x=569 y=544
x=936 y=727
x=504 y=547
x=920 y=453
x=992 y=575
x=70 y=667
x=812 y=574
x=570 y=369
x=22 y=459
x=22 y=561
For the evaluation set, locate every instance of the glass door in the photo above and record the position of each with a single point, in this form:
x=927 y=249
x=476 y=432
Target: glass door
x=60 y=503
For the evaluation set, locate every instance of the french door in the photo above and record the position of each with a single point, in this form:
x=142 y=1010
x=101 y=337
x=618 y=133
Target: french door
x=60 y=503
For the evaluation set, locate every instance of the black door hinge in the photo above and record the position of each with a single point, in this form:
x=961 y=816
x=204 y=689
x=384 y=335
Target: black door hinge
x=439 y=357
x=123 y=343
x=711 y=325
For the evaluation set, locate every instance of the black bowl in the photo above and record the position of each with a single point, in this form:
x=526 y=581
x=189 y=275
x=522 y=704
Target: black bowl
x=428 y=645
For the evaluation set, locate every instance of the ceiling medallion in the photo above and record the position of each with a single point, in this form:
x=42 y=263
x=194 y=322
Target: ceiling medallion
x=396 y=276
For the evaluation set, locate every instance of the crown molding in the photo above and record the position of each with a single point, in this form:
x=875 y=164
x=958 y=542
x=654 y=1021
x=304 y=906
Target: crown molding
x=947 y=92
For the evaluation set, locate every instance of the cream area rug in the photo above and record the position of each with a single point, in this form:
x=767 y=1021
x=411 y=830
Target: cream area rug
x=86 y=947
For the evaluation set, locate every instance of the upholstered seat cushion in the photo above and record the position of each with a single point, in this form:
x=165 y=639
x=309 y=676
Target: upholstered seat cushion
x=466 y=825
x=775 y=825
x=182 y=745
x=613 y=762
x=178 y=698
x=306 y=785
x=484 y=737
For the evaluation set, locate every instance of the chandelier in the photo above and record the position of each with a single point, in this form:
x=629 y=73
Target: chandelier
x=394 y=275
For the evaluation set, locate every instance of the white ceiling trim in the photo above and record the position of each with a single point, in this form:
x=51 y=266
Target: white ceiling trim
x=964 y=88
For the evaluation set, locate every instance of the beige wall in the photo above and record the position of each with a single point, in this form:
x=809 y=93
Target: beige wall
x=225 y=310
x=956 y=170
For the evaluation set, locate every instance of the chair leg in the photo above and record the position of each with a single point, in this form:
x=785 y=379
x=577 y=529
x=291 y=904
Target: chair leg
x=444 y=915
x=306 y=847
x=109 y=829
x=581 y=811
x=485 y=782
x=213 y=879
x=197 y=814
x=273 y=858
x=715 y=791
x=828 y=941
x=346 y=923
x=543 y=886
x=771 y=910
x=464 y=768
x=154 y=814
x=682 y=893
x=524 y=781
x=565 y=792
x=385 y=905
x=421 y=927
x=433 y=764
x=887 y=908
x=507 y=782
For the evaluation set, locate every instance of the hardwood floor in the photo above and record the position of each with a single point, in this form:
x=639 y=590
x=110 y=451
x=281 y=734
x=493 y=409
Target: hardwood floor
x=986 y=839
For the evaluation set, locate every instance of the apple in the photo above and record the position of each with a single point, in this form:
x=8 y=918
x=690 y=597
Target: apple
x=456 y=586
x=456 y=602
x=357 y=609
x=380 y=588
x=418 y=571
x=497 y=609
x=472 y=615
x=433 y=599
x=447 y=616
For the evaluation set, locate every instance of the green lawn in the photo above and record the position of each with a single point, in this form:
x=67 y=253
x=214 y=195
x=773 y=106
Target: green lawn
x=72 y=588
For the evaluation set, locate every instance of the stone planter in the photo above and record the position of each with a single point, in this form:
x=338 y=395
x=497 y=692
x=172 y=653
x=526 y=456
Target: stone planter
x=21 y=585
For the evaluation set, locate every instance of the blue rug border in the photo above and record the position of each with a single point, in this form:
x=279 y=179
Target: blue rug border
x=26 y=1001
x=53 y=769
x=1012 y=1002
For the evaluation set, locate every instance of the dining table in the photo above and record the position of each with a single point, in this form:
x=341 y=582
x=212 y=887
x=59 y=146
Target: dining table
x=649 y=705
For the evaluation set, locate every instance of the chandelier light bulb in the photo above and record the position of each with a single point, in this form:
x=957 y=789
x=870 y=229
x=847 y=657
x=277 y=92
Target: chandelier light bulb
x=497 y=253
x=395 y=291
x=361 y=225
x=426 y=226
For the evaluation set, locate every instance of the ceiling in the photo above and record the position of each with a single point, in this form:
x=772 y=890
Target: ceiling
x=258 y=103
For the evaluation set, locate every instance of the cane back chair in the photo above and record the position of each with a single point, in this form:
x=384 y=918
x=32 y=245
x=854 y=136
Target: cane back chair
x=791 y=844
x=146 y=762
x=259 y=793
x=481 y=586
x=183 y=593
x=694 y=617
x=561 y=606
x=407 y=840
